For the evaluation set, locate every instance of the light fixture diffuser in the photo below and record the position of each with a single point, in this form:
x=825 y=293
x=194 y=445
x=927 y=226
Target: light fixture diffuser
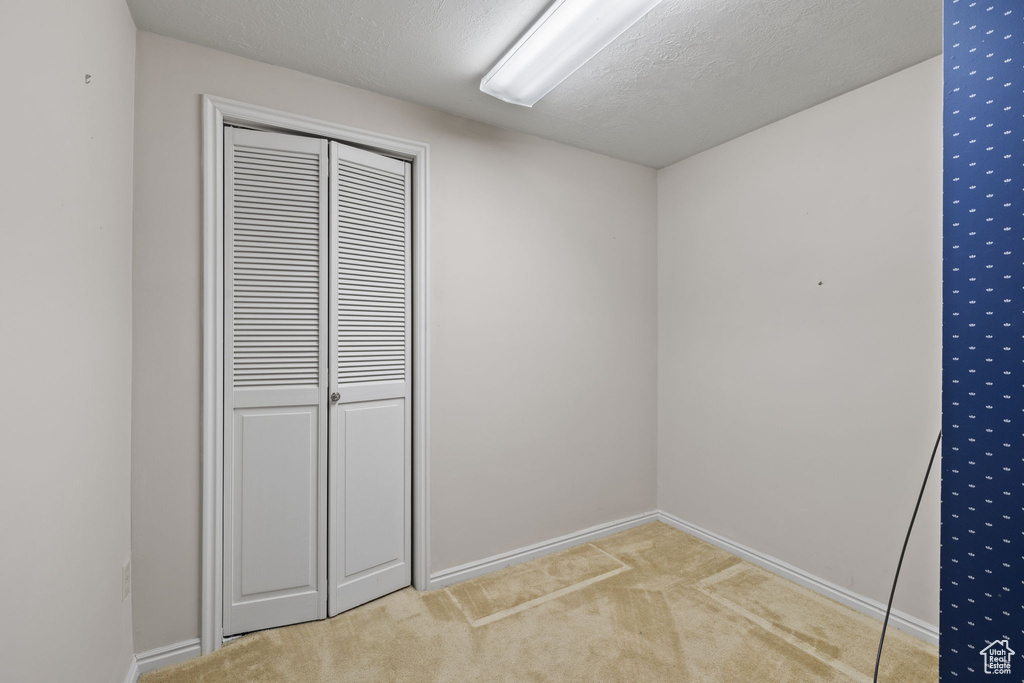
x=565 y=37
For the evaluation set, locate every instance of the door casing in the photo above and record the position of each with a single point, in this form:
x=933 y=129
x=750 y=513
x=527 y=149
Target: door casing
x=216 y=113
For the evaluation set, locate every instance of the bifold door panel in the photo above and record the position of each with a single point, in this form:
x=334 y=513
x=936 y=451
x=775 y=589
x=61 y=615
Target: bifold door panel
x=275 y=469
x=317 y=434
x=370 y=449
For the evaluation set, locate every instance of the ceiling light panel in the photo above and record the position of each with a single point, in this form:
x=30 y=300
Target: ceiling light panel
x=562 y=40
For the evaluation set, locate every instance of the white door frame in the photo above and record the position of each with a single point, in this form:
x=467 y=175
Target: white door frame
x=217 y=112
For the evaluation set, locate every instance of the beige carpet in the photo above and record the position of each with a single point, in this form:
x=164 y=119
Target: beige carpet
x=648 y=604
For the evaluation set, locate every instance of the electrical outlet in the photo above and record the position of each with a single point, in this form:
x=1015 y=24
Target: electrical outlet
x=126 y=580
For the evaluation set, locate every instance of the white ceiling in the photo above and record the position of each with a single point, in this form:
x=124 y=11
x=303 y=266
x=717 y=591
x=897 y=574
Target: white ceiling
x=690 y=75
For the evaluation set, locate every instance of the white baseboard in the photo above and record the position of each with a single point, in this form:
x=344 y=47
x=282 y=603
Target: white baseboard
x=872 y=608
x=133 y=671
x=159 y=657
x=447 y=577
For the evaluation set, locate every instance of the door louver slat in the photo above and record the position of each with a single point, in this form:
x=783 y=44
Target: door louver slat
x=276 y=262
x=372 y=260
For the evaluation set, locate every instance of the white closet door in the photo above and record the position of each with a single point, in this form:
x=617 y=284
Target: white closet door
x=370 y=413
x=275 y=465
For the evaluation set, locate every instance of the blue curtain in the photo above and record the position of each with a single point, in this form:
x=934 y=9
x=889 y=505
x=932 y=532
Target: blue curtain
x=982 y=599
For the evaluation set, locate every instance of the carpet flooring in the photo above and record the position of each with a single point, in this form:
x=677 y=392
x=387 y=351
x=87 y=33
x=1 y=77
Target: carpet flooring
x=648 y=604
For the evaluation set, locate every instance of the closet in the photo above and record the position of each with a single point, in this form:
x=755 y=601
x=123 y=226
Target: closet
x=317 y=381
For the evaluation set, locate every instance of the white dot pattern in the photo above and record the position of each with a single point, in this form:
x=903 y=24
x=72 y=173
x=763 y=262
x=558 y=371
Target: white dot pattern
x=982 y=566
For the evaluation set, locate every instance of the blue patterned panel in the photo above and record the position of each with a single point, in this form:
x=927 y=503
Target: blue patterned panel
x=982 y=601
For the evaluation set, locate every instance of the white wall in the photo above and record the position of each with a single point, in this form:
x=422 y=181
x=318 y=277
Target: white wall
x=65 y=298
x=797 y=418
x=543 y=331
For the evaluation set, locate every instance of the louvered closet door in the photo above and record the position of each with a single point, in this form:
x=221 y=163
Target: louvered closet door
x=370 y=450
x=275 y=465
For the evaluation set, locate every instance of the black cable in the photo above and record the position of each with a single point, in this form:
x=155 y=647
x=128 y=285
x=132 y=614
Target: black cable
x=899 y=565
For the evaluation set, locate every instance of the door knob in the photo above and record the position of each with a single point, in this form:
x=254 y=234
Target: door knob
x=335 y=397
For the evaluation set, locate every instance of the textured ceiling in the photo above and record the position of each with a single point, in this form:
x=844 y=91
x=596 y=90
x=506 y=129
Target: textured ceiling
x=690 y=75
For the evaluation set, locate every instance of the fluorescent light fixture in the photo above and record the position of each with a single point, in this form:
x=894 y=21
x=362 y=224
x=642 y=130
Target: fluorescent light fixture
x=568 y=34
